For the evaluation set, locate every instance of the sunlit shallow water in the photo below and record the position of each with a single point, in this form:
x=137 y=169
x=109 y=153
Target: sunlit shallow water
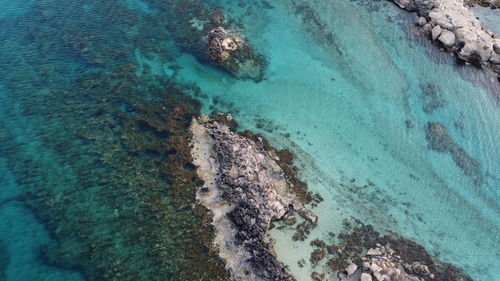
x=342 y=105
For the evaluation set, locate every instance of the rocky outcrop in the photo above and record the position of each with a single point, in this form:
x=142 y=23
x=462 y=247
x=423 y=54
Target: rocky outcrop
x=245 y=189
x=383 y=264
x=215 y=39
x=227 y=49
x=221 y=44
x=452 y=25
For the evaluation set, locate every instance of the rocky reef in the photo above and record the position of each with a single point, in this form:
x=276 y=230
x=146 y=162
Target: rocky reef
x=452 y=25
x=359 y=253
x=382 y=263
x=245 y=189
x=439 y=139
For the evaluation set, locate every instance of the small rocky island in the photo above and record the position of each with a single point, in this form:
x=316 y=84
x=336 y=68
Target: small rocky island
x=452 y=25
x=245 y=189
x=202 y=30
x=227 y=49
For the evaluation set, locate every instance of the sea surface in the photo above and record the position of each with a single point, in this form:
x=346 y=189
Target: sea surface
x=88 y=179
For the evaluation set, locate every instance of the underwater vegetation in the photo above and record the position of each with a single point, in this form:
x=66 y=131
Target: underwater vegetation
x=97 y=137
x=116 y=190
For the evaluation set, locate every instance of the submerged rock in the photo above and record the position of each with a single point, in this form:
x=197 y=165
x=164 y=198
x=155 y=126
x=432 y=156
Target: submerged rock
x=432 y=97
x=317 y=277
x=245 y=189
x=439 y=139
x=317 y=255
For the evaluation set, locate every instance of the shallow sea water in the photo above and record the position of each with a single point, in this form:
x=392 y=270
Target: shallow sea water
x=340 y=104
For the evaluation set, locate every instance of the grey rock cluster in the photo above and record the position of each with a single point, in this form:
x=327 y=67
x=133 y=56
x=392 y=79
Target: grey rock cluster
x=453 y=25
x=245 y=189
x=382 y=264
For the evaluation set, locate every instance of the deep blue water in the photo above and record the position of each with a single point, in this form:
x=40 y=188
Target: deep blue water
x=353 y=109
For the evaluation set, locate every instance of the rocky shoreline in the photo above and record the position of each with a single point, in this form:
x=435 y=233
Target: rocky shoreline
x=245 y=189
x=451 y=24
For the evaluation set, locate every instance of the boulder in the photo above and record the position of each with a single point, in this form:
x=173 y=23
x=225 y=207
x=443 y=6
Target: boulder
x=366 y=277
x=436 y=31
x=317 y=255
x=308 y=215
x=422 y=21
x=447 y=38
x=351 y=269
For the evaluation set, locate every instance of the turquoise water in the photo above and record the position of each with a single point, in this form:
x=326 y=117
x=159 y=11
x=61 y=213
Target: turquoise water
x=489 y=17
x=343 y=90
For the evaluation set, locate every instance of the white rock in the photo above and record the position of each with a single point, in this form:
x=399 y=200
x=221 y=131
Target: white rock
x=422 y=21
x=447 y=38
x=436 y=31
x=374 y=252
x=366 y=277
x=351 y=269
